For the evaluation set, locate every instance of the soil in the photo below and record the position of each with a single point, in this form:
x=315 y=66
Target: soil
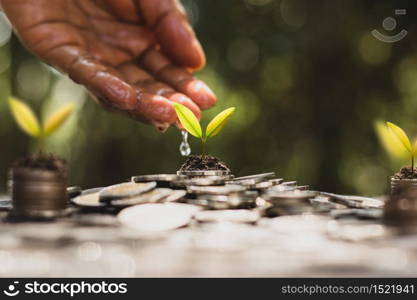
x=406 y=173
x=43 y=161
x=205 y=163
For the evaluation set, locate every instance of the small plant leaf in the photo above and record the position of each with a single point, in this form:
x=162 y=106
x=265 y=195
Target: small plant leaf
x=57 y=119
x=188 y=120
x=218 y=122
x=391 y=144
x=24 y=117
x=401 y=136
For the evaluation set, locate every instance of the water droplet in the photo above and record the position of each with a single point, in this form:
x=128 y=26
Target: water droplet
x=185 y=148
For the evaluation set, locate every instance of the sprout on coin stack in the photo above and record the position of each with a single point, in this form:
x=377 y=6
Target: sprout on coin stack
x=38 y=181
x=398 y=145
x=191 y=124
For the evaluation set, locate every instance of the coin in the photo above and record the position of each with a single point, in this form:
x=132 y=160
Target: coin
x=157 y=217
x=162 y=180
x=204 y=173
x=5 y=203
x=354 y=201
x=175 y=196
x=148 y=197
x=238 y=200
x=322 y=204
x=297 y=194
x=235 y=216
x=125 y=190
x=88 y=200
x=252 y=179
x=200 y=181
x=92 y=190
x=215 y=190
x=73 y=191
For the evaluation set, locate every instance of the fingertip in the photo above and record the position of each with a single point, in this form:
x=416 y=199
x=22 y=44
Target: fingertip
x=199 y=92
x=187 y=102
x=158 y=110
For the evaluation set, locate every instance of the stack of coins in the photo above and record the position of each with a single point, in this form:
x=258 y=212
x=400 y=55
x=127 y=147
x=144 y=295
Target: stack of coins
x=210 y=190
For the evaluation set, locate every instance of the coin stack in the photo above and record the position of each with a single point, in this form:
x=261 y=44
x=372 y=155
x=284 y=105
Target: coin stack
x=211 y=190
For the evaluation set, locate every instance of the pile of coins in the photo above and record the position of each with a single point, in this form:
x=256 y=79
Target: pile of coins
x=219 y=196
x=210 y=190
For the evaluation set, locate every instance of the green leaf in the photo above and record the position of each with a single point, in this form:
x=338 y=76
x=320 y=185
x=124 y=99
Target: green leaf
x=188 y=120
x=401 y=136
x=218 y=122
x=391 y=144
x=24 y=117
x=55 y=121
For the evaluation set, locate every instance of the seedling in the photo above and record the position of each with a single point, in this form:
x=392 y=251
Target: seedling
x=191 y=124
x=397 y=142
x=29 y=123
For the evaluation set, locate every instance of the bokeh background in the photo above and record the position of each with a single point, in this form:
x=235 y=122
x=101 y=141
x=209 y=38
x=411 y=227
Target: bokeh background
x=307 y=78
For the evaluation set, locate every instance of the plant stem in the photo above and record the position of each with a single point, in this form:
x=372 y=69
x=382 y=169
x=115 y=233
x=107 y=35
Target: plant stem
x=203 y=147
x=40 y=143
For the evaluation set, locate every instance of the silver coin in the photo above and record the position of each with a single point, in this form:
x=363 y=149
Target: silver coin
x=204 y=173
x=175 y=196
x=215 y=190
x=297 y=194
x=157 y=217
x=354 y=201
x=92 y=190
x=234 y=216
x=252 y=179
x=74 y=191
x=282 y=188
x=157 y=178
x=125 y=190
x=5 y=203
x=148 y=197
x=276 y=181
x=289 y=183
x=223 y=201
x=88 y=200
x=322 y=204
x=200 y=181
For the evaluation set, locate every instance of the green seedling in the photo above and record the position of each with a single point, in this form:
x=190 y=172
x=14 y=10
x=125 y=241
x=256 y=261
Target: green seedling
x=29 y=123
x=396 y=141
x=191 y=124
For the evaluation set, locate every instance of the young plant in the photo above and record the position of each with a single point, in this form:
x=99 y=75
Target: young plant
x=191 y=124
x=396 y=141
x=29 y=123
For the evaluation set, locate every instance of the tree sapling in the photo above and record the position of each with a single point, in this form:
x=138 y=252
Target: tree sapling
x=191 y=124
x=39 y=181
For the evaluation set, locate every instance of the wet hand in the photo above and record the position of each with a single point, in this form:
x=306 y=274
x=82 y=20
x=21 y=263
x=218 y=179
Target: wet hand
x=134 y=56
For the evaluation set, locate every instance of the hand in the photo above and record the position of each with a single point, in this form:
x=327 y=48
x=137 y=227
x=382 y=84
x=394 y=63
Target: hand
x=134 y=56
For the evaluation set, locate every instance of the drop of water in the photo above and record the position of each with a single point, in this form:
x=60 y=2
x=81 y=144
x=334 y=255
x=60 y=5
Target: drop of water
x=185 y=148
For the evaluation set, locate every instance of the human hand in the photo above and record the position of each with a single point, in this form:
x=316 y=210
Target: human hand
x=134 y=56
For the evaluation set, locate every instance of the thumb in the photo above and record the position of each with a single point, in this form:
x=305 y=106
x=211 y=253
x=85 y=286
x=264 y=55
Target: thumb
x=168 y=21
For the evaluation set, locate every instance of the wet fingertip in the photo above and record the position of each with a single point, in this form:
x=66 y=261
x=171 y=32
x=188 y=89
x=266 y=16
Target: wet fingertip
x=200 y=93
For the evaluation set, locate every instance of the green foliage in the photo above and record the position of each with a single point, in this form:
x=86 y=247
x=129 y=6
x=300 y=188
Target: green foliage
x=192 y=125
x=396 y=141
x=29 y=123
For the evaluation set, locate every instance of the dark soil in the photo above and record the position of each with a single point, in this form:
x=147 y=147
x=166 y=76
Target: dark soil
x=205 y=163
x=43 y=161
x=406 y=173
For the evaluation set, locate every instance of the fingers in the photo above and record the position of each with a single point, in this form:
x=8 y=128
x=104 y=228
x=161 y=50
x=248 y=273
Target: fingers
x=179 y=78
x=125 y=9
x=144 y=82
x=175 y=35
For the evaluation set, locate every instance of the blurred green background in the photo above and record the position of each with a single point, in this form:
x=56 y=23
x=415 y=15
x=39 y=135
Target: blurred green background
x=307 y=77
